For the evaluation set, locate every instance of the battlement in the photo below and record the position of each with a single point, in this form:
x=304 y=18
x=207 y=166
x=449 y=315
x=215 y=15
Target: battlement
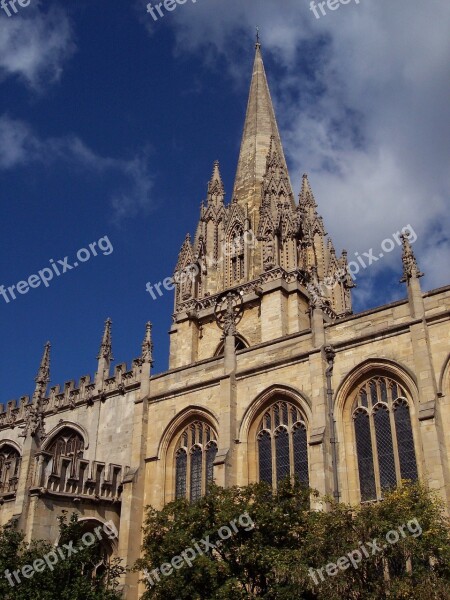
x=71 y=395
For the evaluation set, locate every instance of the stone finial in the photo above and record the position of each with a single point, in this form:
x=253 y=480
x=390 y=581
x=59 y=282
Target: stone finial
x=106 y=346
x=410 y=267
x=43 y=374
x=306 y=198
x=34 y=417
x=216 y=189
x=147 y=345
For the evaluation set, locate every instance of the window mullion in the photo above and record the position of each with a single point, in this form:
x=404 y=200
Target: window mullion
x=188 y=474
x=291 y=452
x=204 y=473
x=376 y=465
x=395 y=446
x=274 y=461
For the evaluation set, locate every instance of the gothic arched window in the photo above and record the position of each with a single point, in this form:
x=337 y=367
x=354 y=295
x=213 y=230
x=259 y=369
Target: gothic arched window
x=69 y=444
x=384 y=437
x=9 y=468
x=282 y=444
x=239 y=344
x=236 y=254
x=97 y=565
x=195 y=453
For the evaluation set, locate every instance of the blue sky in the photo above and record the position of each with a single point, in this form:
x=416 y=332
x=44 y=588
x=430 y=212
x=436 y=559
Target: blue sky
x=110 y=123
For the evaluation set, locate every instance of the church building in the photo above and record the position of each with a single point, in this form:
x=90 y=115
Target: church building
x=270 y=374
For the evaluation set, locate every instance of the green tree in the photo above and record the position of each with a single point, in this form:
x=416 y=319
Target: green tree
x=71 y=578
x=279 y=557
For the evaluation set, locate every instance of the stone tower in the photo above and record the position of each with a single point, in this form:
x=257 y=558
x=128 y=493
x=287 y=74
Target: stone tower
x=271 y=251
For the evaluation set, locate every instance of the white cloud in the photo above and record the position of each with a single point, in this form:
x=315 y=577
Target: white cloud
x=368 y=121
x=35 y=44
x=20 y=146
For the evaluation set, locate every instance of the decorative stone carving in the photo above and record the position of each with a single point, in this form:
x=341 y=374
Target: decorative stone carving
x=228 y=312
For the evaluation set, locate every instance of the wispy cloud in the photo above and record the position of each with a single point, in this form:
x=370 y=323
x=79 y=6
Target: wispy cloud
x=35 y=44
x=20 y=146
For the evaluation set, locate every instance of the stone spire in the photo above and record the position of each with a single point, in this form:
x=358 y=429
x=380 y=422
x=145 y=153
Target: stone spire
x=411 y=275
x=106 y=346
x=34 y=418
x=410 y=267
x=146 y=361
x=104 y=356
x=260 y=126
x=147 y=345
x=43 y=374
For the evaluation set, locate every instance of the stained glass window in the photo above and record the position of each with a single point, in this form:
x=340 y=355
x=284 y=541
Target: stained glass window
x=282 y=437
x=365 y=456
x=196 y=473
x=373 y=392
x=383 y=388
x=194 y=460
x=301 y=454
x=386 y=462
x=282 y=454
x=276 y=412
x=377 y=423
x=181 y=474
x=364 y=397
x=394 y=391
x=405 y=441
x=265 y=457
x=211 y=453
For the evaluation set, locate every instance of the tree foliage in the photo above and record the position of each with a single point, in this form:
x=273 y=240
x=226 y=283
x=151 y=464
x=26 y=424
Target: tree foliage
x=277 y=557
x=71 y=578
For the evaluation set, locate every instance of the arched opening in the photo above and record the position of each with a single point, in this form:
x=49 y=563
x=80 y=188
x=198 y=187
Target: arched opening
x=236 y=255
x=195 y=451
x=282 y=446
x=101 y=538
x=9 y=468
x=239 y=344
x=66 y=444
x=384 y=437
